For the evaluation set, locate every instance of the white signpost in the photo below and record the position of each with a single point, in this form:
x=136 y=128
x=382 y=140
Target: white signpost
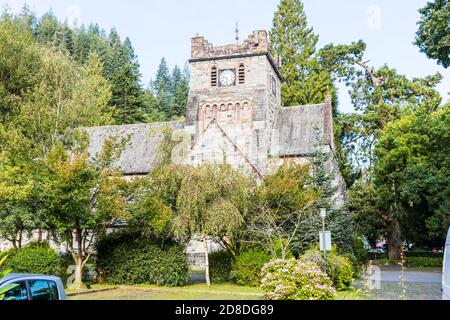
x=325 y=238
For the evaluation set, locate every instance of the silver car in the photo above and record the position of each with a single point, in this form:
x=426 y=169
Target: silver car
x=32 y=287
x=446 y=271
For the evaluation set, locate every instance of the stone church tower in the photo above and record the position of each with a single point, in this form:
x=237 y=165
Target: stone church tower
x=233 y=99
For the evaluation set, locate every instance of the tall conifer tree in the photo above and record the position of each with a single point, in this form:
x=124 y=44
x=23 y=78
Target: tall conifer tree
x=295 y=43
x=122 y=70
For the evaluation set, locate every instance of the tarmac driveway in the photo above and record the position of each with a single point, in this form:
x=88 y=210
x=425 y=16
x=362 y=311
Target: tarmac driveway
x=409 y=285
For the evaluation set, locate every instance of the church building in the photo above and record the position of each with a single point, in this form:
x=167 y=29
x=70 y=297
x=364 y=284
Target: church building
x=234 y=115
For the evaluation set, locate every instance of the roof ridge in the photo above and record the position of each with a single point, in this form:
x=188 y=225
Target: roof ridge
x=305 y=105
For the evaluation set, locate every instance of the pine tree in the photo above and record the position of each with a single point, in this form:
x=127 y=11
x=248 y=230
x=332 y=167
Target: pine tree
x=162 y=87
x=324 y=176
x=179 y=92
x=28 y=17
x=122 y=70
x=295 y=43
x=47 y=28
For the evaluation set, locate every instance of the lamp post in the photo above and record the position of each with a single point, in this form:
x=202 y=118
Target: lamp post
x=323 y=215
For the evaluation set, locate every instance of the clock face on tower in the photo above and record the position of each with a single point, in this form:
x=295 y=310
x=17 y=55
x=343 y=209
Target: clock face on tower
x=227 y=78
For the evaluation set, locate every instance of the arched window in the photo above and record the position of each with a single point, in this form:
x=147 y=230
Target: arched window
x=241 y=73
x=214 y=76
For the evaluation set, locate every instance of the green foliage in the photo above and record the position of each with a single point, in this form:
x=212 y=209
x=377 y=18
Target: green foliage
x=384 y=261
x=212 y=201
x=127 y=258
x=433 y=36
x=220 y=266
x=281 y=206
x=304 y=81
x=362 y=199
x=122 y=70
x=324 y=183
x=295 y=280
x=424 y=262
x=82 y=196
x=128 y=102
x=248 y=265
x=36 y=258
x=411 y=173
x=154 y=202
x=170 y=91
x=44 y=94
x=424 y=254
x=4 y=273
x=359 y=249
x=339 y=268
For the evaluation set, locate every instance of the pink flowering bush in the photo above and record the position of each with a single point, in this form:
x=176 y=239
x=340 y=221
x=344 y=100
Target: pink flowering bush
x=295 y=280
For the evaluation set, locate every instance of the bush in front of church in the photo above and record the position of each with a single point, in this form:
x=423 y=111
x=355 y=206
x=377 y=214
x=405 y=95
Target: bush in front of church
x=339 y=268
x=248 y=265
x=129 y=258
x=220 y=266
x=295 y=280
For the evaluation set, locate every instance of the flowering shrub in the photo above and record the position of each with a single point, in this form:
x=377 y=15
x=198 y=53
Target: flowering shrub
x=295 y=280
x=339 y=268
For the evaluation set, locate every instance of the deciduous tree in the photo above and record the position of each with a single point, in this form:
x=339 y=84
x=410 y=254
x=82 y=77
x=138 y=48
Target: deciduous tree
x=212 y=203
x=433 y=36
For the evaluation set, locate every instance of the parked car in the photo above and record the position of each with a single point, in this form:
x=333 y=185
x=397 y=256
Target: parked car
x=446 y=270
x=32 y=287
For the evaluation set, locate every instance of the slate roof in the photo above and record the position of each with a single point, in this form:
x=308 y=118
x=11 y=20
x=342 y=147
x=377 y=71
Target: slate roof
x=293 y=126
x=295 y=129
x=140 y=153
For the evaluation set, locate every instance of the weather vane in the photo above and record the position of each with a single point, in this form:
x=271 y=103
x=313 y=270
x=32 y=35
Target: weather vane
x=237 y=33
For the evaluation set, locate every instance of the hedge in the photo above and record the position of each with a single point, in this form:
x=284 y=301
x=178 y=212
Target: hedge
x=220 y=266
x=125 y=258
x=36 y=258
x=424 y=262
x=248 y=265
x=424 y=254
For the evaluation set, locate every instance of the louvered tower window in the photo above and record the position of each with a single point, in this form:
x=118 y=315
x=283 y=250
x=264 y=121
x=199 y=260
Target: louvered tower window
x=214 y=77
x=241 y=73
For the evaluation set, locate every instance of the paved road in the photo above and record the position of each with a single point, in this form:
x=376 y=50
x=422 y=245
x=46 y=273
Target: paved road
x=411 y=276
x=416 y=285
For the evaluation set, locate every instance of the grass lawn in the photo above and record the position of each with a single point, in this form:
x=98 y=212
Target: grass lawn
x=192 y=292
x=351 y=294
x=196 y=290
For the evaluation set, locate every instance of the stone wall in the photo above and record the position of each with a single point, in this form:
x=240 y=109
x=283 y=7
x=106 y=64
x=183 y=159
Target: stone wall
x=256 y=43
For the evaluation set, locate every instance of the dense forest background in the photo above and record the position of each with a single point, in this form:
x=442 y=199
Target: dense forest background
x=163 y=99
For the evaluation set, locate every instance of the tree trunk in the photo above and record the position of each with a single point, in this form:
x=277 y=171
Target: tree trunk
x=78 y=255
x=20 y=239
x=205 y=241
x=393 y=240
x=78 y=276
